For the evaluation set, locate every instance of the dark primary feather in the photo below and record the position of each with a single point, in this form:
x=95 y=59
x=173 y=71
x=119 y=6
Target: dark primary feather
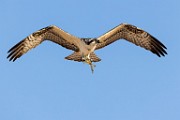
x=135 y=35
x=51 y=33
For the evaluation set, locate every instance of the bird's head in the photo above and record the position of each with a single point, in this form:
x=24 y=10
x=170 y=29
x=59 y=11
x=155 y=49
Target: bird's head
x=89 y=41
x=93 y=41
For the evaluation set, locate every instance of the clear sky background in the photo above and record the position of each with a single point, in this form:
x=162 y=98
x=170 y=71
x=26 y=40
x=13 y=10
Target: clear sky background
x=128 y=84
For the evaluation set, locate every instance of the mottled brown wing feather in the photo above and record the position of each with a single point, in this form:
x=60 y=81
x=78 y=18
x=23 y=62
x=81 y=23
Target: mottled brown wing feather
x=51 y=33
x=134 y=35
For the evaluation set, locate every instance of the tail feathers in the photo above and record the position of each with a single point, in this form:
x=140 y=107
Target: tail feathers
x=94 y=57
x=75 y=56
x=78 y=57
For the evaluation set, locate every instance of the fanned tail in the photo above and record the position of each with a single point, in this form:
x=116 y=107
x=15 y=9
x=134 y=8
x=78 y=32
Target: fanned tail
x=75 y=56
x=78 y=57
x=94 y=57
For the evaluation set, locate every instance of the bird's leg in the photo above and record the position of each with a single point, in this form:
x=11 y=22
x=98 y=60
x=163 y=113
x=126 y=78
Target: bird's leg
x=88 y=61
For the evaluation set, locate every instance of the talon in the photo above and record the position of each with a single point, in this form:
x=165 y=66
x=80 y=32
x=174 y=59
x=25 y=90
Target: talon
x=89 y=61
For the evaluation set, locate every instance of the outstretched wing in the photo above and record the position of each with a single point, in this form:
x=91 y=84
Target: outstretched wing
x=51 y=33
x=135 y=35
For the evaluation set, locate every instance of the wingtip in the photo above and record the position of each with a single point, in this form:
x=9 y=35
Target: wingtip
x=162 y=54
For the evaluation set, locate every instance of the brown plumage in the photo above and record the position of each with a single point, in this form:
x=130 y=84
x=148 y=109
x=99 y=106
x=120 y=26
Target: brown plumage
x=135 y=35
x=84 y=47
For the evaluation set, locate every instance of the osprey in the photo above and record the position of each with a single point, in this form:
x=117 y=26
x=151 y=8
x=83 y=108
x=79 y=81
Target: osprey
x=84 y=47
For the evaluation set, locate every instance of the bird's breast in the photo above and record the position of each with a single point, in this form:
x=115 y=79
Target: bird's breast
x=87 y=49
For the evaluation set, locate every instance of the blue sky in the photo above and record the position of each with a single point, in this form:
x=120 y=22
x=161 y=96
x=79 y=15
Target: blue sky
x=128 y=84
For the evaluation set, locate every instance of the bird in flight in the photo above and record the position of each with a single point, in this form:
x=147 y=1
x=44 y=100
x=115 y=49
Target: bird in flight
x=84 y=47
